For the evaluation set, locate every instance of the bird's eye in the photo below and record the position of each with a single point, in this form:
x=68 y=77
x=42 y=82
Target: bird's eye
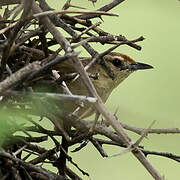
x=117 y=62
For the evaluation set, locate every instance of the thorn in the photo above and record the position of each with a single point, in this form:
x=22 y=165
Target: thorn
x=116 y=111
x=128 y=149
x=144 y=133
x=94 y=123
x=81 y=146
x=100 y=17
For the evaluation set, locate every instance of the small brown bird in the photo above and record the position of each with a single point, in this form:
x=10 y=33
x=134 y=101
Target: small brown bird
x=121 y=67
x=120 y=64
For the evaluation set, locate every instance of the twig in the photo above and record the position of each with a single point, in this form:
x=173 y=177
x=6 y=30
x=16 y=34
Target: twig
x=18 y=76
x=19 y=150
x=31 y=167
x=104 y=8
x=2 y=31
x=151 y=131
x=95 y=122
x=44 y=155
x=88 y=29
x=67 y=97
x=73 y=11
x=72 y=174
x=98 y=147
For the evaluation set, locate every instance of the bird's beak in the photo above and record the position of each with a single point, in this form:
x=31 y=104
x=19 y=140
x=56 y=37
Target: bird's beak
x=138 y=66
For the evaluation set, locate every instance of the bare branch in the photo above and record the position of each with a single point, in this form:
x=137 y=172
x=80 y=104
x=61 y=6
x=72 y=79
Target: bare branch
x=18 y=76
x=105 y=8
x=74 y=11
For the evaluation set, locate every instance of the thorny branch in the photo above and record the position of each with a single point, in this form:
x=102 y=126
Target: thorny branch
x=27 y=59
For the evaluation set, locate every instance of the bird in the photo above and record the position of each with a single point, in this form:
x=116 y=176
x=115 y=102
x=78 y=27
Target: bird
x=121 y=66
x=105 y=76
x=105 y=79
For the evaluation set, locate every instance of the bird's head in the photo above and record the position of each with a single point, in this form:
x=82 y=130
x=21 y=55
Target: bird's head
x=123 y=65
x=124 y=62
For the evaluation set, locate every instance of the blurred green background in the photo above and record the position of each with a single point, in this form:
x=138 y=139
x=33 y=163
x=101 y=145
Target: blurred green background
x=147 y=95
